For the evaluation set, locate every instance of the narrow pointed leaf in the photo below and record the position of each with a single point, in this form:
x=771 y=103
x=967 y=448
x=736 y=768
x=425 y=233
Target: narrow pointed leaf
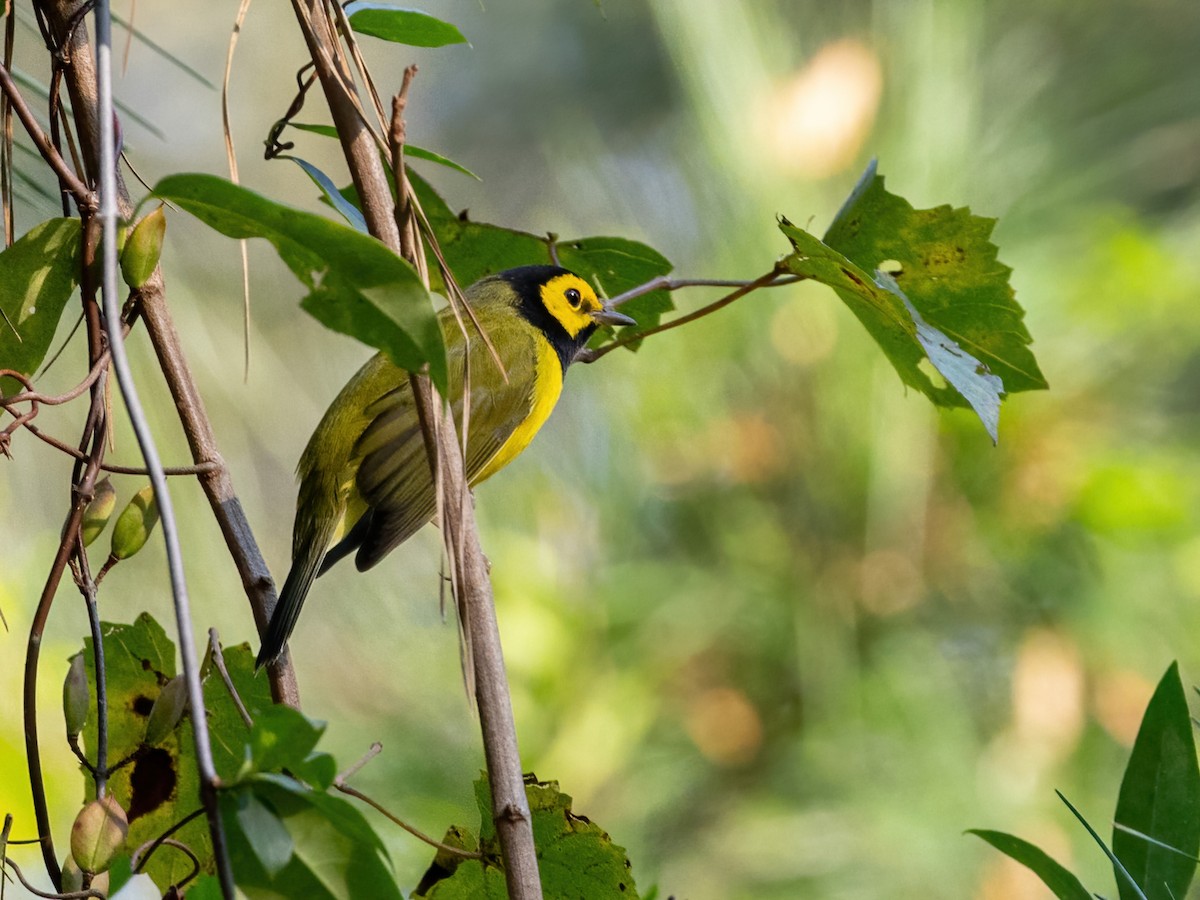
x=1124 y=878
x=1059 y=879
x=1160 y=797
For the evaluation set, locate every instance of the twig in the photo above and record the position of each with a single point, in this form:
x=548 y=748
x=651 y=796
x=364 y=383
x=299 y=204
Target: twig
x=214 y=651
x=231 y=159
x=415 y=832
x=744 y=287
x=666 y=283
x=32 y=396
x=340 y=783
x=373 y=751
x=141 y=428
x=69 y=895
x=483 y=654
x=510 y=808
x=33 y=651
x=201 y=469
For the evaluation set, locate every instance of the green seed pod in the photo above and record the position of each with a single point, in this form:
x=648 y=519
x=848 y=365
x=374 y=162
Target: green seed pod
x=98 y=834
x=75 y=696
x=167 y=710
x=135 y=523
x=99 y=510
x=143 y=248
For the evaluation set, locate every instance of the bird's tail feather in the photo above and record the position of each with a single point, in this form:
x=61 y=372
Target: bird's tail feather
x=287 y=609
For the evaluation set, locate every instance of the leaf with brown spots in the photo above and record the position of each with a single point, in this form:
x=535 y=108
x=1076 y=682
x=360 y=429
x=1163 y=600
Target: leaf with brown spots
x=928 y=287
x=159 y=785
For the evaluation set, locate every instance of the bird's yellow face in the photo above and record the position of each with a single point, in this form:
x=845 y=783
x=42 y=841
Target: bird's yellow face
x=571 y=300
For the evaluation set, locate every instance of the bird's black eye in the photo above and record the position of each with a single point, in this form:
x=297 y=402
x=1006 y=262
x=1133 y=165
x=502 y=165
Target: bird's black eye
x=573 y=297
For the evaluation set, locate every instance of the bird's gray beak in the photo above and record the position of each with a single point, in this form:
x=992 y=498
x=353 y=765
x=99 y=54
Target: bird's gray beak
x=606 y=316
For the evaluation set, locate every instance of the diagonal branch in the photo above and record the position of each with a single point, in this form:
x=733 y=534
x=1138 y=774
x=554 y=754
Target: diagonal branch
x=510 y=808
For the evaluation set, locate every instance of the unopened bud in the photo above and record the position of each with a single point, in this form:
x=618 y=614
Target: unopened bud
x=98 y=511
x=75 y=696
x=135 y=523
x=98 y=834
x=167 y=710
x=143 y=248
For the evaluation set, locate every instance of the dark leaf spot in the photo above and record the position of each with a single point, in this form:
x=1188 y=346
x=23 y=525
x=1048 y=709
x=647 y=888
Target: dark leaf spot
x=142 y=705
x=151 y=783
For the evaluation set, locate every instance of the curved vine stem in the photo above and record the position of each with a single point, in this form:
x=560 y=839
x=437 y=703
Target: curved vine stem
x=141 y=428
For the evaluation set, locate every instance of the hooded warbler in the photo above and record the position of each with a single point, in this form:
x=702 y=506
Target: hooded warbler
x=365 y=482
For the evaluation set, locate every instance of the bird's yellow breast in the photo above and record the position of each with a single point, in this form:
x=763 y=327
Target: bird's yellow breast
x=547 y=386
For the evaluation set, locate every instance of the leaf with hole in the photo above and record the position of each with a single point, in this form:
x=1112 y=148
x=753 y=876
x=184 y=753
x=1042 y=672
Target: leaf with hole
x=158 y=786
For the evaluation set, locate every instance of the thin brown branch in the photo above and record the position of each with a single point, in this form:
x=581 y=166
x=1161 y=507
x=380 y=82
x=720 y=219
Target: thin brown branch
x=69 y=895
x=218 y=658
x=415 y=832
x=510 y=808
x=373 y=751
x=199 y=469
x=216 y=482
x=769 y=279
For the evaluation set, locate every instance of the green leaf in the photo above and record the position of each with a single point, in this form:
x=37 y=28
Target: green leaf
x=282 y=737
x=357 y=285
x=948 y=267
x=348 y=210
x=316 y=770
x=401 y=26
x=576 y=858
x=926 y=284
x=265 y=834
x=1064 y=884
x=335 y=852
x=1160 y=797
x=38 y=273
x=1124 y=879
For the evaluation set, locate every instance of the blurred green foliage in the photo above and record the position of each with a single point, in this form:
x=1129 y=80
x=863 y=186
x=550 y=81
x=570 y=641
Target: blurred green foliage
x=783 y=629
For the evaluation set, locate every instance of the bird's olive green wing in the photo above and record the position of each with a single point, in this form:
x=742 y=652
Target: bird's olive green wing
x=394 y=477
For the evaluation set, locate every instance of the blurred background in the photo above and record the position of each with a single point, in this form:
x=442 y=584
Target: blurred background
x=782 y=629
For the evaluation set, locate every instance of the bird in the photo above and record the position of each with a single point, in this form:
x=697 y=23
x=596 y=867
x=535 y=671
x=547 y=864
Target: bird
x=365 y=479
